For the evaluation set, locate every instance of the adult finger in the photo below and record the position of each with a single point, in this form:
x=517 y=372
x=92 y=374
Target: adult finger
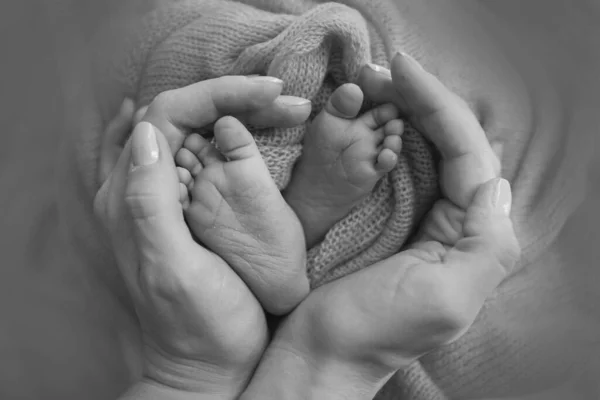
x=489 y=250
x=139 y=203
x=152 y=192
x=442 y=116
x=176 y=112
x=427 y=296
x=114 y=139
x=284 y=112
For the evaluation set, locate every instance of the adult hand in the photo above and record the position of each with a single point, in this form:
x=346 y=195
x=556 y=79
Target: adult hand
x=444 y=118
x=349 y=336
x=176 y=113
x=253 y=100
x=202 y=329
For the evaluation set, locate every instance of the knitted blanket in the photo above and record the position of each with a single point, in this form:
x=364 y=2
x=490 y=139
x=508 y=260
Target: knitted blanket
x=313 y=52
x=495 y=356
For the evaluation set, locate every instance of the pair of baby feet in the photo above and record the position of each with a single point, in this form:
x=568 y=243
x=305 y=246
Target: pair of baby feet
x=233 y=206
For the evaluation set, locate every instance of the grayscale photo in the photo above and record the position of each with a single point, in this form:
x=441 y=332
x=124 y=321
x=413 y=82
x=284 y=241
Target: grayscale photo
x=300 y=199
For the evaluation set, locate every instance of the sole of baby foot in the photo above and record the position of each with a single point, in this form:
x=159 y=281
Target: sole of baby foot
x=344 y=156
x=237 y=211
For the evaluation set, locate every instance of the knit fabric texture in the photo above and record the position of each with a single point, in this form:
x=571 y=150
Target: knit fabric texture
x=313 y=52
x=315 y=46
x=501 y=352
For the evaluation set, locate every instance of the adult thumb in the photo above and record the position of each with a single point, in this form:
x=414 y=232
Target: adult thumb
x=488 y=232
x=152 y=190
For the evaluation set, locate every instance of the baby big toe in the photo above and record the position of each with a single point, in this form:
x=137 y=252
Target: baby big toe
x=234 y=140
x=345 y=102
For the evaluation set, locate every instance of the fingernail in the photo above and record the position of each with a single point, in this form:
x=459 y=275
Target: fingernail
x=503 y=197
x=411 y=60
x=127 y=107
x=252 y=76
x=139 y=114
x=294 y=101
x=144 y=147
x=379 y=69
x=266 y=79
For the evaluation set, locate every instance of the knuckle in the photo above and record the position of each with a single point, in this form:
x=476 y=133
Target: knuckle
x=446 y=311
x=502 y=246
x=168 y=282
x=162 y=100
x=143 y=205
x=164 y=288
x=450 y=311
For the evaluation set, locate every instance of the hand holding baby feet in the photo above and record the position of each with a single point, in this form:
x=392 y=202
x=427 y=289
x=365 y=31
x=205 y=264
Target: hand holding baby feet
x=344 y=156
x=237 y=211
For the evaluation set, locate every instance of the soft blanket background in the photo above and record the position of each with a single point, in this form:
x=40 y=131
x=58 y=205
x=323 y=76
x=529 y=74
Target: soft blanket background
x=64 y=337
x=314 y=49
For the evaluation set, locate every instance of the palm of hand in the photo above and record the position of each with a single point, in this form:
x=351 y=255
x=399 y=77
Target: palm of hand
x=410 y=304
x=199 y=313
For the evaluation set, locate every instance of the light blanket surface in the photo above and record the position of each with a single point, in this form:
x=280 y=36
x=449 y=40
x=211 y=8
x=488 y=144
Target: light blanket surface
x=66 y=337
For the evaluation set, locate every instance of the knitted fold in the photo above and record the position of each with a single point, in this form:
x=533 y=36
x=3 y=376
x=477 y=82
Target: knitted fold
x=313 y=53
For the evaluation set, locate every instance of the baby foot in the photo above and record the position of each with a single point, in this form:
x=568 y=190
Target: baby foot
x=344 y=156
x=237 y=211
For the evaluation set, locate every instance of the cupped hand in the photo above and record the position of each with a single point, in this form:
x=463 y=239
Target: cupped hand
x=203 y=330
x=444 y=118
x=348 y=337
x=176 y=113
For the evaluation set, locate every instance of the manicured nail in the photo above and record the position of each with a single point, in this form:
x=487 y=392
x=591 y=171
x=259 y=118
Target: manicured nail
x=144 y=147
x=412 y=60
x=294 y=101
x=503 y=197
x=139 y=114
x=379 y=69
x=266 y=79
x=127 y=107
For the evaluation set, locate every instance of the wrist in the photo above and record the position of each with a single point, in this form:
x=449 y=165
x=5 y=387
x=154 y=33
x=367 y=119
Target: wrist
x=296 y=371
x=149 y=389
x=201 y=379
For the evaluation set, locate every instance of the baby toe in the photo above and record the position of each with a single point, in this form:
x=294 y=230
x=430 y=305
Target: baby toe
x=234 y=140
x=188 y=161
x=379 y=116
x=185 y=176
x=345 y=101
x=184 y=198
x=194 y=143
x=394 y=143
x=204 y=151
x=394 y=127
x=386 y=161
